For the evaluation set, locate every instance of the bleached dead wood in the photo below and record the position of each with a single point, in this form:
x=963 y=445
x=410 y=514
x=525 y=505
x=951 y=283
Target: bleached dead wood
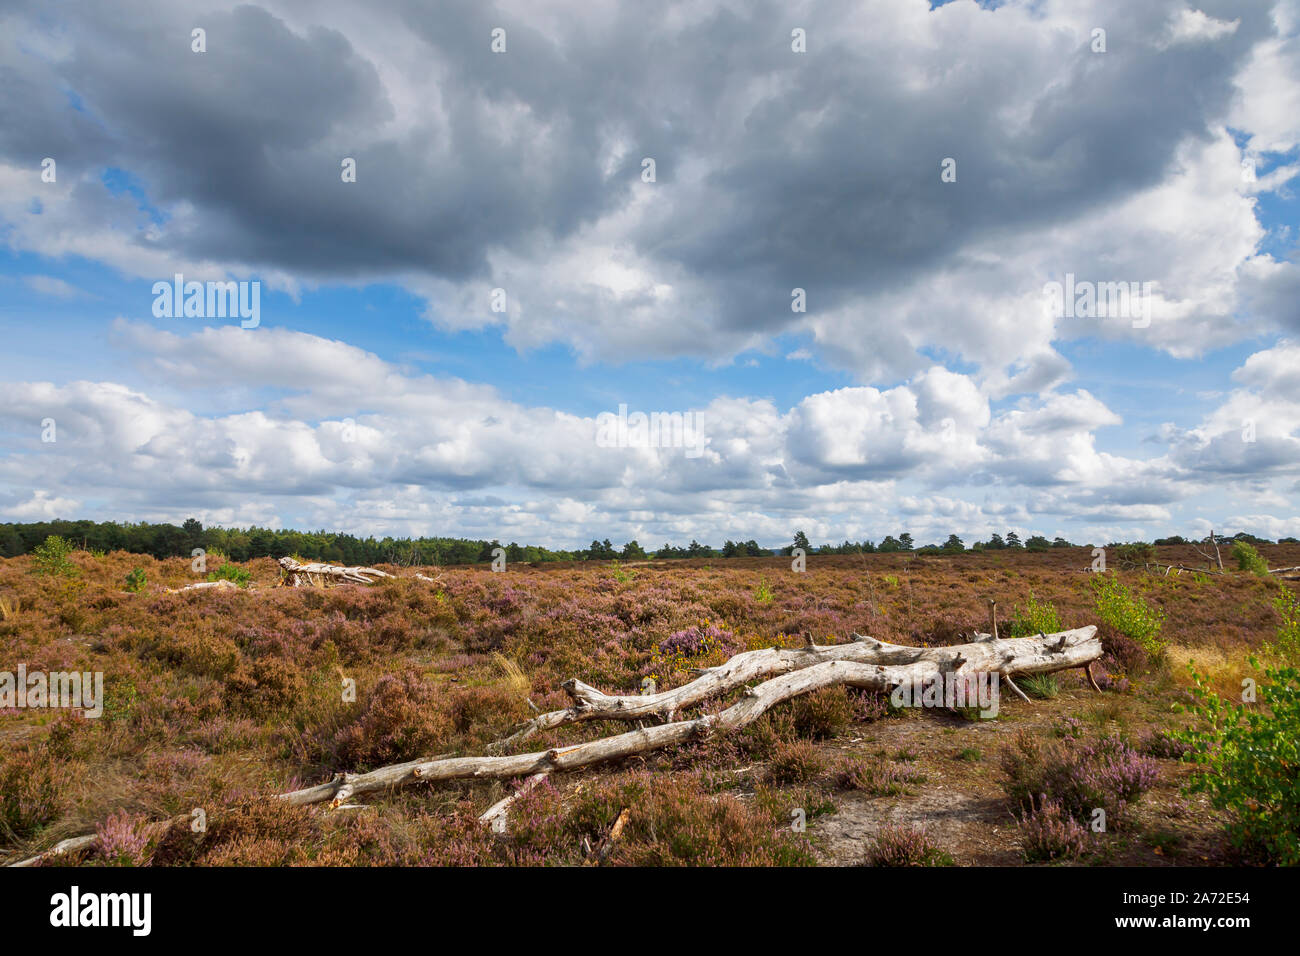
x=865 y=663
x=1179 y=569
x=300 y=575
x=879 y=666
x=501 y=808
x=204 y=585
x=63 y=846
x=591 y=704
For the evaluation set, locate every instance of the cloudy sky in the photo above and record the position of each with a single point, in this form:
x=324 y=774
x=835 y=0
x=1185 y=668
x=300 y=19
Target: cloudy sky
x=921 y=174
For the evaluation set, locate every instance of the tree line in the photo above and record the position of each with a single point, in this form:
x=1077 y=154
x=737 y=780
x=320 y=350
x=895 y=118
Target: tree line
x=243 y=544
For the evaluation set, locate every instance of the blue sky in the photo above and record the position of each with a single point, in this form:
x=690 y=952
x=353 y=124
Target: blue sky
x=925 y=388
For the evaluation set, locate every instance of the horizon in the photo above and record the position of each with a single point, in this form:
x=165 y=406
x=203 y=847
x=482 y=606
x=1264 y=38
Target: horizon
x=926 y=266
x=876 y=543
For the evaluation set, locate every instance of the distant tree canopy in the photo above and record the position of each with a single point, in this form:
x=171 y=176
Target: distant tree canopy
x=242 y=544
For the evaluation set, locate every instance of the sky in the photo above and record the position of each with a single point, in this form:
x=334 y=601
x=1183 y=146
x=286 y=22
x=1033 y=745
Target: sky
x=826 y=233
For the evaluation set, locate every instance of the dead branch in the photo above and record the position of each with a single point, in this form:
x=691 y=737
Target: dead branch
x=1214 y=540
x=318 y=575
x=865 y=663
x=1179 y=569
x=500 y=809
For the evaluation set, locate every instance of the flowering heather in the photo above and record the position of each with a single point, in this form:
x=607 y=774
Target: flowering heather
x=1049 y=833
x=796 y=762
x=1117 y=683
x=877 y=777
x=1164 y=744
x=905 y=845
x=32 y=792
x=1082 y=774
x=123 y=840
x=696 y=640
x=212 y=697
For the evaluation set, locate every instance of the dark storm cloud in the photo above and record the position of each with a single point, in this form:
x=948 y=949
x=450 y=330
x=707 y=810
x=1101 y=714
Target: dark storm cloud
x=827 y=179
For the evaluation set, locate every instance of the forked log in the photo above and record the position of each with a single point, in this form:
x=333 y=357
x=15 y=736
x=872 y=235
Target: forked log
x=868 y=664
x=312 y=575
x=865 y=663
x=591 y=704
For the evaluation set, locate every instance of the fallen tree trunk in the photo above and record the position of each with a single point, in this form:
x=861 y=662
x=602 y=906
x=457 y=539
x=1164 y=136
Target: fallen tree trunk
x=591 y=704
x=315 y=575
x=866 y=663
x=205 y=585
x=891 y=666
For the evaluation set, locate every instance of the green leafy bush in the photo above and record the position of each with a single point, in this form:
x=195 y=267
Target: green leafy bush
x=1127 y=613
x=51 y=556
x=1035 y=617
x=1288 y=635
x=136 y=580
x=1248 y=760
x=232 y=572
x=1248 y=559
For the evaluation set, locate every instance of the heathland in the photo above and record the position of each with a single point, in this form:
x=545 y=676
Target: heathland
x=218 y=699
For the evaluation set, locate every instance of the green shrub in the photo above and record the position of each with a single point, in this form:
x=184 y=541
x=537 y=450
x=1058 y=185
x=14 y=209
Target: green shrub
x=51 y=556
x=1248 y=759
x=136 y=580
x=232 y=572
x=1248 y=559
x=1128 y=613
x=1036 y=617
x=1288 y=635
